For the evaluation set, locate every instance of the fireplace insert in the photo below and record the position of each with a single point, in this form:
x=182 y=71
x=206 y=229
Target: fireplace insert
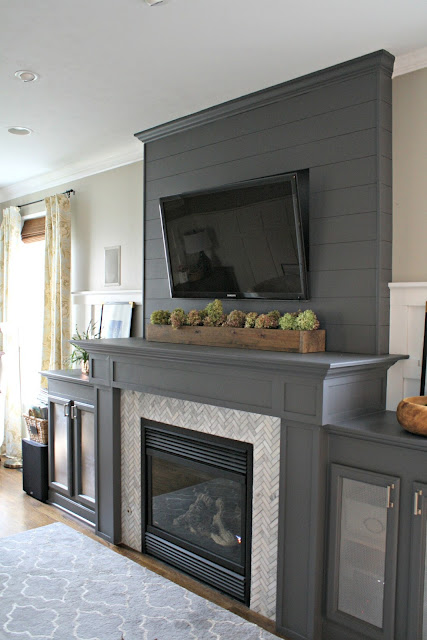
x=197 y=505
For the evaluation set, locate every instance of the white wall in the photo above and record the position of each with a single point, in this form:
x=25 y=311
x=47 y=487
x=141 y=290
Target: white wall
x=107 y=210
x=409 y=288
x=409 y=177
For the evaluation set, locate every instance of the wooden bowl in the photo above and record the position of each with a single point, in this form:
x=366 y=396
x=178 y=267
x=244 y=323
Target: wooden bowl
x=412 y=414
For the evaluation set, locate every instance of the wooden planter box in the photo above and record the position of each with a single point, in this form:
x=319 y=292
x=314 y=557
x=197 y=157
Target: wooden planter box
x=265 y=339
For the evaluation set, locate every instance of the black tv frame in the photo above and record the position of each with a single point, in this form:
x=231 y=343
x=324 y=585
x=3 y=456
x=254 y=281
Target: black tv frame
x=299 y=186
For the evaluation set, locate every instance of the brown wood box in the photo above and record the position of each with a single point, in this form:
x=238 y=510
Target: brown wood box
x=264 y=339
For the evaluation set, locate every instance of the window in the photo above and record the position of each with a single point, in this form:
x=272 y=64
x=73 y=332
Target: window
x=31 y=304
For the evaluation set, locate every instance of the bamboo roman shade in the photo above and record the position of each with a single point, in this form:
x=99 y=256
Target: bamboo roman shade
x=33 y=230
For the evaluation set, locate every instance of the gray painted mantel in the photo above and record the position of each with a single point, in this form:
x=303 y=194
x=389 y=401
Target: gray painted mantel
x=307 y=392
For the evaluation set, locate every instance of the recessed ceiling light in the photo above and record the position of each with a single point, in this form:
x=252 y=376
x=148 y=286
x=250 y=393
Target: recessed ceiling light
x=151 y=2
x=20 y=131
x=26 y=76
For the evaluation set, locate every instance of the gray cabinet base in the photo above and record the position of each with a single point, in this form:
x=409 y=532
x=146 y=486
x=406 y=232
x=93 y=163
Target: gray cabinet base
x=72 y=507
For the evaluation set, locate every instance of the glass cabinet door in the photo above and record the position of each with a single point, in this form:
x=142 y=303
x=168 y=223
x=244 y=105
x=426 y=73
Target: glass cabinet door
x=60 y=446
x=417 y=618
x=84 y=445
x=362 y=551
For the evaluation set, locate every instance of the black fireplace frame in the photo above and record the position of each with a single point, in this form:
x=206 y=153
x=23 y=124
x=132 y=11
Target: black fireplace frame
x=215 y=571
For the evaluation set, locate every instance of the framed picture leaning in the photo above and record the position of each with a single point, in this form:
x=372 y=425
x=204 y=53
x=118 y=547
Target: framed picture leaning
x=116 y=319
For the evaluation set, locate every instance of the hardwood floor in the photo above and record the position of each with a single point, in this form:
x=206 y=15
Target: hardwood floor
x=19 y=512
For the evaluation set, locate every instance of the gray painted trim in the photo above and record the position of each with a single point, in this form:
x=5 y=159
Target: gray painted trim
x=144 y=233
x=359 y=66
x=381 y=427
x=315 y=363
x=68 y=505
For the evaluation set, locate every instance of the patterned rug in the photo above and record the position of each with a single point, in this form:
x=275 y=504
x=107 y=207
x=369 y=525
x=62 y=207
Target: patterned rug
x=57 y=583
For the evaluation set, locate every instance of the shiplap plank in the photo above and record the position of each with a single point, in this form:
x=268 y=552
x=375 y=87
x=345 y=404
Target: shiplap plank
x=324 y=99
x=348 y=228
x=345 y=147
x=153 y=229
x=341 y=175
x=386 y=227
x=155 y=269
x=356 y=283
x=339 y=202
x=152 y=211
x=322 y=127
x=154 y=249
x=386 y=117
x=385 y=254
x=157 y=289
x=384 y=277
x=351 y=338
x=386 y=205
x=353 y=311
x=345 y=255
x=386 y=143
x=386 y=172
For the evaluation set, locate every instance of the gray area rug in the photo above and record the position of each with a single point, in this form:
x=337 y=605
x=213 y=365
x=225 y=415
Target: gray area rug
x=57 y=583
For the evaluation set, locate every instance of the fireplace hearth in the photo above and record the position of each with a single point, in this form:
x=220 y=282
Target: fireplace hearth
x=197 y=505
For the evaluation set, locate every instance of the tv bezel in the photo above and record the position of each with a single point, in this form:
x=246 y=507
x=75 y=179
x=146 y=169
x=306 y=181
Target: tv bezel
x=298 y=181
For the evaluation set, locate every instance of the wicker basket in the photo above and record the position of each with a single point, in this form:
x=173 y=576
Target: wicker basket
x=37 y=428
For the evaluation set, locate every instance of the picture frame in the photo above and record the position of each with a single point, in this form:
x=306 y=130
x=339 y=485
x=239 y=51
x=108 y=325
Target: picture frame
x=116 y=319
x=112 y=266
x=423 y=388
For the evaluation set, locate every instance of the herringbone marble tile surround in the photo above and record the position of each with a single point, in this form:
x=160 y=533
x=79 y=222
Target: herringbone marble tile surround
x=261 y=431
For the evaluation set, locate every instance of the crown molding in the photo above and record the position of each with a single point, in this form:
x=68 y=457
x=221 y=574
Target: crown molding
x=410 y=62
x=359 y=66
x=75 y=171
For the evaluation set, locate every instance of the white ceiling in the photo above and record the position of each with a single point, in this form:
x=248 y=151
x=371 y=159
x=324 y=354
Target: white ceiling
x=110 y=68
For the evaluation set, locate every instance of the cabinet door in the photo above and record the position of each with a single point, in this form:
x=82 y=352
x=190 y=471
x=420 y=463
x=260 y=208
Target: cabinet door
x=84 y=450
x=362 y=551
x=60 y=446
x=417 y=601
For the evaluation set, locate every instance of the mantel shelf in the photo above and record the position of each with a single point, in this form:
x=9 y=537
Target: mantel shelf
x=319 y=363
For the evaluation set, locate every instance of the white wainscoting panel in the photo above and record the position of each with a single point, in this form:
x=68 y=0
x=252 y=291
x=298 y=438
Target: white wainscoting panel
x=87 y=305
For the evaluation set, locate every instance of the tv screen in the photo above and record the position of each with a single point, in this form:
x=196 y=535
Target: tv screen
x=243 y=240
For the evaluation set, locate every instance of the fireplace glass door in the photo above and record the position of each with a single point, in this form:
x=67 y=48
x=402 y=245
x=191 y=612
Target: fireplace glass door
x=197 y=505
x=200 y=507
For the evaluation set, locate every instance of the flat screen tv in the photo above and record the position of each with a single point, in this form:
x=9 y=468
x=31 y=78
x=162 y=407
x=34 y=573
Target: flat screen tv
x=243 y=240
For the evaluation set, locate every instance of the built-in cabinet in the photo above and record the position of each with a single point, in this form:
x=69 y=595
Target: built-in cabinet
x=72 y=447
x=417 y=613
x=362 y=540
x=375 y=573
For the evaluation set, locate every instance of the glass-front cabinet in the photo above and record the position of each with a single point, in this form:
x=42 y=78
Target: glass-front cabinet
x=417 y=615
x=364 y=508
x=60 y=446
x=84 y=449
x=72 y=453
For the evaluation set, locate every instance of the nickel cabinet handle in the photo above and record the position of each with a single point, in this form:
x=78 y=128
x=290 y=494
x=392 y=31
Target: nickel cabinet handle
x=417 y=495
x=67 y=410
x=390 y=504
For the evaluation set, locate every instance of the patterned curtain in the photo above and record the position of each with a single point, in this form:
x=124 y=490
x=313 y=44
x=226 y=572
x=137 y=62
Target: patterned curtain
x=57 y=300
x=10 y=239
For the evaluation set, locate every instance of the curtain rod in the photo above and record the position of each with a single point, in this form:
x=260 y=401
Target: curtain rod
x=68 y=193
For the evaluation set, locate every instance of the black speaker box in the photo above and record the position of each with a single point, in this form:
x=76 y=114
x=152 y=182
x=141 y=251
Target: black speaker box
x=35 y=469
